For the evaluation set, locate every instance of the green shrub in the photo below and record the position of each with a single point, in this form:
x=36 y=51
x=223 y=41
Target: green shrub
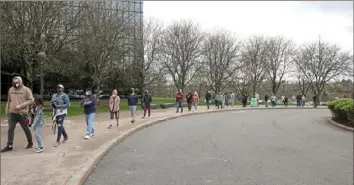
x=342 y=109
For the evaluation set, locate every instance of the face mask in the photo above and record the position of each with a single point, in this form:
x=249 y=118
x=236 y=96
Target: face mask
x=114 y=95
x=88 y=93
x=16 y=85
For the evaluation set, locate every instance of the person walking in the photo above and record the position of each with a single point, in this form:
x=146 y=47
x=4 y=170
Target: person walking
x=195 y=101
x=60 y=104
x=133 y=100
x=274 y=100
x=286 y=101
x=208 y=99
x=232 y=99
x=179 y=101
x=303 y=99
x=220 y=99
x=147 y=104
x=244 y=100
x=18 y=101
x=189 y=99
x=38 y=122
x=315 y=100
x=89 y=104
x=298 y=100
x=256 y=95
x=227 y=99
x=266 y=98
x=114 y=102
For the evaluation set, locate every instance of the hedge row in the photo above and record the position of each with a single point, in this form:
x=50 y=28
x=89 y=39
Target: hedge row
x=342 y=109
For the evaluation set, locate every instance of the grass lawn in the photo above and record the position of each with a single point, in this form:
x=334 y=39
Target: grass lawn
x=75 y=108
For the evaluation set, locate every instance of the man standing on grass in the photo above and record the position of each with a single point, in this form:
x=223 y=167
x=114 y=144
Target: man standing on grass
x=179 y=101
x=19 y=99
x=89 y=104
x=114 y=102
x=133 y=100
x=147 y=103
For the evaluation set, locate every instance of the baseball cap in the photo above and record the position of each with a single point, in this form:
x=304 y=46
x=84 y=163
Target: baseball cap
x=61 y=86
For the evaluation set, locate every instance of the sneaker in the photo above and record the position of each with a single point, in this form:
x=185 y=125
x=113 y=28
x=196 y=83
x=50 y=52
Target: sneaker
x=143 y=117
x=39 y=149
x=132 y=121
x=87 y=137
x=92 y=134
x=29 y=145
x=56 y=144
x=110 y=126
x=6 y=149
x=65 y=140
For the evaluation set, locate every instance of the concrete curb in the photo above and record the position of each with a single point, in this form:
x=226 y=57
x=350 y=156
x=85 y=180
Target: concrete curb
x=329 y=120
x=79 y=176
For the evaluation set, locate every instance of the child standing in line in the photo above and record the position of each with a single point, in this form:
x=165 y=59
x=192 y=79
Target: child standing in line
x=38 y=122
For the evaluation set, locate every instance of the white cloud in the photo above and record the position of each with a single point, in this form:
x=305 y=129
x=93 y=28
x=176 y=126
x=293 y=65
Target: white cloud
x=300 y=21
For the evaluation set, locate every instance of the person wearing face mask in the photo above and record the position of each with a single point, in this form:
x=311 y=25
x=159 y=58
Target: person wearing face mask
x=133 y=100
x=60 y=104
x=89 y=104
x=19 y=99
x=114 y=102
x=147 y=104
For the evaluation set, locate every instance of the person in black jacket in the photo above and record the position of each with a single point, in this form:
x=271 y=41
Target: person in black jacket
x=147 y=103
x=315 y=100
x=298 y=100
x=189 y=98
x=266 y=100
x=207 y=99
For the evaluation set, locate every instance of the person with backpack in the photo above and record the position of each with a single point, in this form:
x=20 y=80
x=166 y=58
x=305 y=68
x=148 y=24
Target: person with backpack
x=114 y=102
x=266 y=98
x=60 y=104
x=133 y=101
x=147 y=103
x=89 y=105
x=38 y=122
x=189 y=99
x=298 y=100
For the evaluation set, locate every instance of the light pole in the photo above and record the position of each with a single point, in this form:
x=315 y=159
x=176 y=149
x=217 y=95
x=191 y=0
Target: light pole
x=41 y=56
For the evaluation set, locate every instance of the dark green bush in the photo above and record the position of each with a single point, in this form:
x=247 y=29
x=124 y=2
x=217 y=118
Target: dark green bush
x=342 y=109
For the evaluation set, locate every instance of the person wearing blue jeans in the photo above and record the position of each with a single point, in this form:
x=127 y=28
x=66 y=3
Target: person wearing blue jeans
x=89 y=104
x=60 y=104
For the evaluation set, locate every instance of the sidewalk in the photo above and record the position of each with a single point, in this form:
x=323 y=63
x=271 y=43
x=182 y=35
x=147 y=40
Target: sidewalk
x=56 y=165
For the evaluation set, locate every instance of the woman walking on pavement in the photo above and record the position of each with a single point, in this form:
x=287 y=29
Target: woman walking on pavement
x=114 y=102
x=195 y=101
x=179 y=101
x=133 y=101
x=38 y=122
x=303 y=99
x=89 y=104
x=60 y=104
x=274 y=100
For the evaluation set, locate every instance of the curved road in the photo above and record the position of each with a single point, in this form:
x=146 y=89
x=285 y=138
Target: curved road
x=261 y=147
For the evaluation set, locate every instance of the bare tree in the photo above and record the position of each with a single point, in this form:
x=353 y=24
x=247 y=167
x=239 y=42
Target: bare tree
x=255 y=60
x=28 y=27
x=221 y=56
x=322 y=62
x=181 y=50
x=152 y=51
x=99 y=48
x=279 y=53
x=242 y=82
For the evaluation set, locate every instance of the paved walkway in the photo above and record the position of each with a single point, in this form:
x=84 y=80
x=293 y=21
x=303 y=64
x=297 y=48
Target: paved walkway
x=233 y=148
x=56 y=165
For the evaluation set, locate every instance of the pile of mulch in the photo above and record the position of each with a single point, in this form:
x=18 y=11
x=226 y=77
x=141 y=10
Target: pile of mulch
x=345 y=122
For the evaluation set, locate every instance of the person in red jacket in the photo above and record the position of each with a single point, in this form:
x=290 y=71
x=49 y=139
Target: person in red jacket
x=179 y=100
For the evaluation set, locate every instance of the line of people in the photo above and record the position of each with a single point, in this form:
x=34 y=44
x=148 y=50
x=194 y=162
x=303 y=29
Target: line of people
x=28 y=111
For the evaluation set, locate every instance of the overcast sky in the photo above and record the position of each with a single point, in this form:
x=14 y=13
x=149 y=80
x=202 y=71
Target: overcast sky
x=300 y=21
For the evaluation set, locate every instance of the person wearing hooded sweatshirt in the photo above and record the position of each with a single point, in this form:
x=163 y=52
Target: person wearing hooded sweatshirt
x=89 y=104
x=189 y=98
x=147 y=103
x=114 y=102
x=220 y=99
x=232 y=99
x=19 y=99
x=60 y=104
x=195 y=101
x=133 y=101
